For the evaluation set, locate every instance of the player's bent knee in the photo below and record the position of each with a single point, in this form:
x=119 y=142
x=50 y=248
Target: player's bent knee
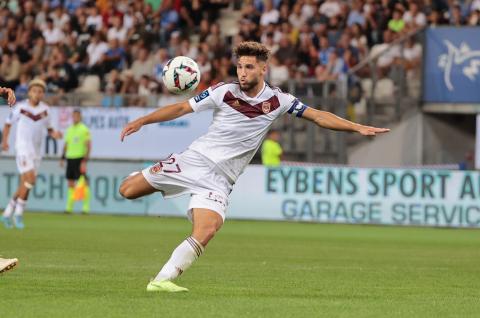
x=205 y=234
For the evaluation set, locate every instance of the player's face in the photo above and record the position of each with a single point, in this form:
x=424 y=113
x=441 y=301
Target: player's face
x=35 y=94
x=250 y=72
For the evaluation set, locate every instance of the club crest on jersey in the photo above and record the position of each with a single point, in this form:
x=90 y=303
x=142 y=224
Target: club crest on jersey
x=266 y=107
x=156 y=168
x=201 y=96
x=236 y=103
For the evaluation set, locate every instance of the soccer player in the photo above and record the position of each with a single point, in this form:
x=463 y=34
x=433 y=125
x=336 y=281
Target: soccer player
x=7 y=264
x=33 y=117
x=208 y=169
x=77 y=151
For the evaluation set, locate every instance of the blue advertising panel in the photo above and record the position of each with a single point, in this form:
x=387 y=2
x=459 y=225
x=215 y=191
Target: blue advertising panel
x=452 y=65
x=419 y=197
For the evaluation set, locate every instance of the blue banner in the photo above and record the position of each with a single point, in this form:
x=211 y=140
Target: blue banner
x=452 y=65
x=417 y=197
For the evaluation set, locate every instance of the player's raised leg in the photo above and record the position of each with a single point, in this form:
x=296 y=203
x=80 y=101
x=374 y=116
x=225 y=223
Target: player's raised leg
x=136 y=186
x=27 y=181
x=205 y=224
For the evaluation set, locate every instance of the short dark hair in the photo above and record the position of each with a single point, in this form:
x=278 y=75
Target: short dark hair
x=251 y=48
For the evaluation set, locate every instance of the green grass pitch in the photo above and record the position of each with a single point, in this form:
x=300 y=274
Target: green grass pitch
x=99 y=266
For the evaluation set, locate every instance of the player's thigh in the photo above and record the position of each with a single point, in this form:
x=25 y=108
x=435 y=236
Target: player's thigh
x=205 y=224
x=136 y=186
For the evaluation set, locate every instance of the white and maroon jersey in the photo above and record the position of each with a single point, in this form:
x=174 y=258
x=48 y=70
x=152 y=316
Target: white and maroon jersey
x=239 y=123
x=32 y=123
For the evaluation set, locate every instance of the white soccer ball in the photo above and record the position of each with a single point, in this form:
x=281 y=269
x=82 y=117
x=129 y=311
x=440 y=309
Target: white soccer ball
x=180 y=75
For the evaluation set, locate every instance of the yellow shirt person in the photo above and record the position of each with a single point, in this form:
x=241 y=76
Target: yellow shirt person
x=77 y=151
x=271 y=149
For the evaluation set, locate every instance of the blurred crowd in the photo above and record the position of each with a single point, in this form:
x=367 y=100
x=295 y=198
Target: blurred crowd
x=120 y=47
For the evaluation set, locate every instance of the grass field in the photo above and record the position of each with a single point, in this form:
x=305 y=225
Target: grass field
x=98 y=266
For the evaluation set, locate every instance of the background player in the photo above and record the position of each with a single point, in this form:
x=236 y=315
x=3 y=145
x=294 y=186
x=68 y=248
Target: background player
x=33 y=117
x=207 y=170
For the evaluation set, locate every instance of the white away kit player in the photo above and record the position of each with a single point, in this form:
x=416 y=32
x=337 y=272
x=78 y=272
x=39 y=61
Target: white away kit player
x=32 y=117
x=243 y=112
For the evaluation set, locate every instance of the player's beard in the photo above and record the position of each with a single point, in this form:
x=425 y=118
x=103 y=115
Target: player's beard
x=248 y=86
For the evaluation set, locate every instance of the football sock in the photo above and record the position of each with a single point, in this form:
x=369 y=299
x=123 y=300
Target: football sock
x=19 y=207
x=182 y=257
x=9 y=208
x=70 y=201
x=86 y=199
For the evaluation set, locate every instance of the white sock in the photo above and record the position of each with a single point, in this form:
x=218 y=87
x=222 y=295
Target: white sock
x=9 y=208
x=19 y=207
x=182 y=257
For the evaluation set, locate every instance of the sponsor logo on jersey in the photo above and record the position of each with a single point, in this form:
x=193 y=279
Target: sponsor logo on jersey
x=201 y=96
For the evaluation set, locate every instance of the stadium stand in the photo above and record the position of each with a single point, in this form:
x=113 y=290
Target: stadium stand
x=358 y=58
x=68 y=42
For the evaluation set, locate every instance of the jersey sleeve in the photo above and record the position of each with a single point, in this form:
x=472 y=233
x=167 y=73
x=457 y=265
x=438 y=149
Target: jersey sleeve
x=208 y=99
x=13 y=116
x=292 y=105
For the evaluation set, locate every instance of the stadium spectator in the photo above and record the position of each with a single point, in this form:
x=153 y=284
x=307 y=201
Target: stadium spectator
x=396 y=23
x=117 y=30
x=269 y=15
x=52 y=33
x=334 y=69
x=143 y=64
x=386 y=54
x=278 y=73
x=96 y=49
x=414 y=18
x=330 y=8
x=10 y=69
x=356 y=16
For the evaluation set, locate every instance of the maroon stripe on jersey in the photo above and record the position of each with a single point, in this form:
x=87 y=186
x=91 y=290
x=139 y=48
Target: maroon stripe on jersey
x=249 y=110
x=34 y=117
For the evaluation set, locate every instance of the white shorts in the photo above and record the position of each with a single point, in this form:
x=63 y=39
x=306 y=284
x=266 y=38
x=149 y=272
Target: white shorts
x=27 y=162
x=190 y=173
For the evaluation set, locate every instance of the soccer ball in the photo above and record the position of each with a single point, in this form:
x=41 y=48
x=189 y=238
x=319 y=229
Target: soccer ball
x=180 y=75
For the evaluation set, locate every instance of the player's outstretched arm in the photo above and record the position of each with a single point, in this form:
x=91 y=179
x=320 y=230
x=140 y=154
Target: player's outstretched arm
x=330 y=121
x=162 y=114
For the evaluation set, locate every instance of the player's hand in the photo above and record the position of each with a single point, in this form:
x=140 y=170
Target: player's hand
x=83 y=167
x=56 y=134
x=62 y=163
x=5 y=146
x=131 y=128
x=11 y=99
x=371 y=131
